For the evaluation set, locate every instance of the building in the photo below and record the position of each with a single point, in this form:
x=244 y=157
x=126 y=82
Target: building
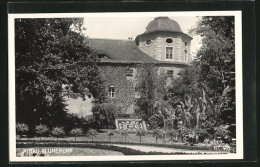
x=162 y=44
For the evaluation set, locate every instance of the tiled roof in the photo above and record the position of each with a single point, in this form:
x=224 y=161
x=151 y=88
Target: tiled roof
x=121 y=51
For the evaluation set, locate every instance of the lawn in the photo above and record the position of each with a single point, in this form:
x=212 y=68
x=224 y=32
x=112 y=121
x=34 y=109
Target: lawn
x=148 y=138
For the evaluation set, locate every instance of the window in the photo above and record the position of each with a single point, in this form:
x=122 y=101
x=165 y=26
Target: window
x=170 y=91
x=169 y=40
x=185 y=43
x=148 y=42
x=170 y=73
x=111 y=91
x=129 y=72
x=185 y=55
x=169 y=52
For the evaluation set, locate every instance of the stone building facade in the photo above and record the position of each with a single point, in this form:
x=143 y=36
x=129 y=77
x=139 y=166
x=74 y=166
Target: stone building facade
x=162 y=44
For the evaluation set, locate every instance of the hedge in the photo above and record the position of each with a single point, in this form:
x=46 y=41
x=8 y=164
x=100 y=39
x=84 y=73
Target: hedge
x=177 y=146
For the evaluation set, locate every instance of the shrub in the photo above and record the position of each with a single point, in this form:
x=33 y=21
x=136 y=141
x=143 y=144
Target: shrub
x=92 y=132
x=104 y=115
x=110 y=133
x=57 y=131
x=21 y=128
x=140 y=133
x=157 y=133
x=125 y=134
x=41 y=130
x=76 y=132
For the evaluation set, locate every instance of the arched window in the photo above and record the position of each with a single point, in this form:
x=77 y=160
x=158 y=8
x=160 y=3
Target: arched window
x=111 y=91
x=186 y=43
x=169 y=53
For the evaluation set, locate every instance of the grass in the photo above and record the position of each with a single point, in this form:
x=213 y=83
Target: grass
x=148 y=138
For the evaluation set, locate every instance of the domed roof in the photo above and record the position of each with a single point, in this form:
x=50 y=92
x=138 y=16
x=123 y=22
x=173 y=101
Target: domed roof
x=163 y=24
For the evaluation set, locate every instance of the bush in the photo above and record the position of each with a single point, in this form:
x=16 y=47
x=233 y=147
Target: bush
x=58 y=132
x=104 y=115
x=125 y=134
x=21 y=128
x=76 y=132
x=140 y=133
x=41 y=130
x=110 y=133
x=92 y=132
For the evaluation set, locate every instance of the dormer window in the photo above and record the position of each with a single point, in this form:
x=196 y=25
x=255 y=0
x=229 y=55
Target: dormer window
x=148 y=42
x=169 y=52
x=111 y=91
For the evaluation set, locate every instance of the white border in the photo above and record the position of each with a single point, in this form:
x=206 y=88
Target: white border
x=239 y=95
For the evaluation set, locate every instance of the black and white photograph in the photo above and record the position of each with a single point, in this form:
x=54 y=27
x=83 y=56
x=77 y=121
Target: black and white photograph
x=125 y=86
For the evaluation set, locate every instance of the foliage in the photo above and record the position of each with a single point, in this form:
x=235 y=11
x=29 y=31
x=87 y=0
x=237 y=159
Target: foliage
x=110 y=133
x=124 y=133
x=21 y=128
x=92 y=132
x=124 y=150
x=76 y=132
x=58 y=132
x=146 y=86
x=157 y=133
x=41 y=130
x=216 y=59
x=50 y=53
x=141 y=133
x=104 y=115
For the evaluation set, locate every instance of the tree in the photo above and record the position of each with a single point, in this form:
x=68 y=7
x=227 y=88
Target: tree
x=124 y=133
x=41 y=130
x=93 y=133
x=157 y=133
x=51 y=53
x=216 y=59
x=140 y=133
x=21 y=128
x=76 y=132
x=110 y=133
x=104 y=115
x=58 y=132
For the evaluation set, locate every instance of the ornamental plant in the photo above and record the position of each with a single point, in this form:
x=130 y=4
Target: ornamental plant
x=140 y=133
x=41 y=130
x=93 y=133
x=157 y=133
x=110 y=133
x=58 y=132
x=21 y=128
x=125 y=134
x=76 y=132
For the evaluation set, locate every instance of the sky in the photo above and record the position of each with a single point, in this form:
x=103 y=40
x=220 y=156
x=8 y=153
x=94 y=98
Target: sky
x=122 y=27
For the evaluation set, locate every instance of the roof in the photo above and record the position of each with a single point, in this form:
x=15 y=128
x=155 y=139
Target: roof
x=163 y=24
x=121 y=51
